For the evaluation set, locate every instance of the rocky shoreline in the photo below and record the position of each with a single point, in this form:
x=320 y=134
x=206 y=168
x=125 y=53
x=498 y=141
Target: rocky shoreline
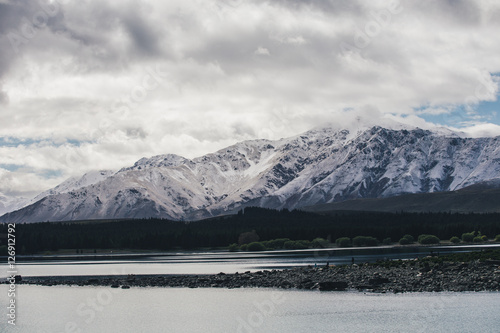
x=394 y=276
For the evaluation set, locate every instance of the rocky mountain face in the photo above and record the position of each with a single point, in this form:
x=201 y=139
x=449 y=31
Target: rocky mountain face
x=319 y=166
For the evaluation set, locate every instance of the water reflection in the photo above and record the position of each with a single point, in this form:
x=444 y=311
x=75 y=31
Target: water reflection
x=215 y=262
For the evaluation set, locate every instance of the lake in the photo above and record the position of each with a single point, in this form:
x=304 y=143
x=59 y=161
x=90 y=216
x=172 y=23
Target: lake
x=215 y=262
x=101 y=309
x=60 y=309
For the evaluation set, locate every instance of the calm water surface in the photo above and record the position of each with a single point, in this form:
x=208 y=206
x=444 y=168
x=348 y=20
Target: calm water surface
x=102 y=309
x=215 y=262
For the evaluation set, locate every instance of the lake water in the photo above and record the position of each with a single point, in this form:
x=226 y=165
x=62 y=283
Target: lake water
x=60 y=309
x=215 y=262
x=101 y=309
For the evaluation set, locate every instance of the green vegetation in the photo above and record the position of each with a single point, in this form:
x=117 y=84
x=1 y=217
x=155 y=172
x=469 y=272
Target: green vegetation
x=256 y=246
x=387 y=241
x=406 y=239
x=466 y=256
x=343 y=242
x=288 y=244
x=474 y=237
x=497 y=238
x=458 y=257
x=250 y=225
x=297 y=245
x=320 y=243
x=428 y=239
x=276 y=243
x=468 y=237
x=455 y=240
x=478 y=239
x=409 y=238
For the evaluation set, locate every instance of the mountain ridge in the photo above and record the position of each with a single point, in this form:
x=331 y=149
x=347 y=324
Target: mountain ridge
x=483 y=197
x=319 y=166
x=69 y=184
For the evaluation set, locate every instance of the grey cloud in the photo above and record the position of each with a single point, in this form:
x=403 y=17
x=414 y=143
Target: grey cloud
x=10 y=15
x=214 y=88
x=20 y=22
x=4 y=98
x=136 y=133
x=145 y=40
x=462 y=11
x=456 y=12
x=13 y=14
x=101 y=23
x=236 y=55
x=351 y=7
x=84 y=31
x=242 y=129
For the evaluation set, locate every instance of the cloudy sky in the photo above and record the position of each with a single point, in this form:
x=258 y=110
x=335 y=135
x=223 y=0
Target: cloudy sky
x=99 y=84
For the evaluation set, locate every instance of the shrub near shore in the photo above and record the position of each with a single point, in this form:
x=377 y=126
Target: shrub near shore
x=428 y=239
x=358 y=241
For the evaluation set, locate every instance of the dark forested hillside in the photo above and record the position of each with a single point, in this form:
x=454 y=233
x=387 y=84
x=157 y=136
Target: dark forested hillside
x=158 y=234
x=483 y=197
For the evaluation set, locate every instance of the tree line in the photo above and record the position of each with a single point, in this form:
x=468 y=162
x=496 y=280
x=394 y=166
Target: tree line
x=267 y=224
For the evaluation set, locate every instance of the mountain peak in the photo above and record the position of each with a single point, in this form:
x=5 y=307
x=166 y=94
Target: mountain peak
x=158 y=161
x=319 y=166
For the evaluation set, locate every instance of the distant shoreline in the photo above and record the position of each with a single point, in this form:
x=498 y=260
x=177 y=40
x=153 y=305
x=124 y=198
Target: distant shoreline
x=432 y=274
x=125 y=254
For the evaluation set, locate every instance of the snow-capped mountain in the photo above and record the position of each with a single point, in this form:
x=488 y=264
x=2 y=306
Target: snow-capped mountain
x=68 y=185
x=319 y=166
x=74 y=183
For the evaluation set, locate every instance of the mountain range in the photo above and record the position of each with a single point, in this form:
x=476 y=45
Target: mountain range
x=73 y=183
x=320 y=166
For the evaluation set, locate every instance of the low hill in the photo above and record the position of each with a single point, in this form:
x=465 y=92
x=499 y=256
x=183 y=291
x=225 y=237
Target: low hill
x=483 y=197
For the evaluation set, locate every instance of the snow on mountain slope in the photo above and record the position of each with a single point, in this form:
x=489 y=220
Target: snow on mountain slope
x=319 y=166
x=74 y=183
x=70 y=184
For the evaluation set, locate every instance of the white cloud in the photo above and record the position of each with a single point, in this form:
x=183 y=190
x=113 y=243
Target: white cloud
x=104 y=84
x=25 y=183
x=481 y=130
x=262 y=51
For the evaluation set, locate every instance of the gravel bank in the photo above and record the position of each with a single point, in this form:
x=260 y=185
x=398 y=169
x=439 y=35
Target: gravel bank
x=400 y=276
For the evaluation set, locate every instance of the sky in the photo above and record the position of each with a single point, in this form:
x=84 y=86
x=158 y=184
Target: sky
x=96 y=84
